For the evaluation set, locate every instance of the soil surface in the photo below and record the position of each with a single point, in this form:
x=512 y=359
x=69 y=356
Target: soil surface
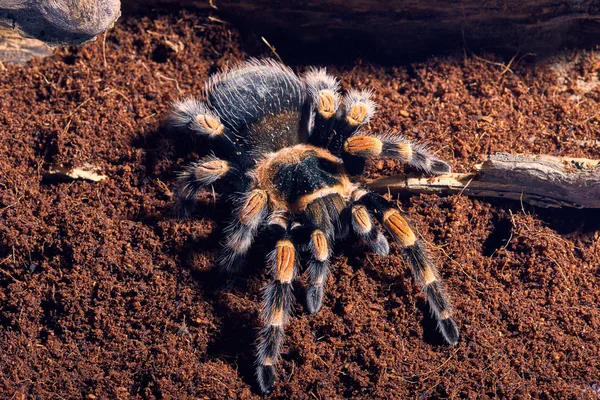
x=105 y=294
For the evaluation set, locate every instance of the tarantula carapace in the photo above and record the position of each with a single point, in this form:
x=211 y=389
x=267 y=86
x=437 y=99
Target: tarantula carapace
x=285 y=149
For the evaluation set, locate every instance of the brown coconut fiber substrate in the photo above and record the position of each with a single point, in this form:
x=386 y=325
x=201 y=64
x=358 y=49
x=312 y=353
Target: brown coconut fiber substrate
x=105 y=294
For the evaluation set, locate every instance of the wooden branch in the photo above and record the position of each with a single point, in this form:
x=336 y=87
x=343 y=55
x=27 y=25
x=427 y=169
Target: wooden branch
x=60 y=22
x=544 y=181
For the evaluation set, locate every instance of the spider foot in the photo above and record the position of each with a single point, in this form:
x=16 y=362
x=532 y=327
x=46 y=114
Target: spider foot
x=449 y=331
x=265 y=375
x=314 y=299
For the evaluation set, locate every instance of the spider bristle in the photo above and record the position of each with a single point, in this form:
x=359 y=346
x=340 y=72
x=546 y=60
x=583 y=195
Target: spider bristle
x=240 y=232
x=254 y=209
x=318 y=245
x=317 y=79
x=269 y=344
x=325 y=101
x=266 y=115
x=195 y=116
x=184 y=207
x=276 y=307
x=324 y=212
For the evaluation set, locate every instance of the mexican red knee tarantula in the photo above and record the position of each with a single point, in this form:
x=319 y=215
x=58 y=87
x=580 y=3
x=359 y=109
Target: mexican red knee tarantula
x=285 y=150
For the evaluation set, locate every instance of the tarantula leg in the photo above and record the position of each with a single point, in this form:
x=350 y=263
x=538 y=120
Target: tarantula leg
x=209 y=170
x=277 y=303
x=365 y=229
x=416 y=255
x=196 y=117
x=318 y=247
x=324 y=100
x=370 y=147
x=358 y=110
x=321 y=219
x=242 y=230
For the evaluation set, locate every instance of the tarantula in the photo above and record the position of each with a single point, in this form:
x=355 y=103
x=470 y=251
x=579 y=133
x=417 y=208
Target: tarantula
x=284 y=149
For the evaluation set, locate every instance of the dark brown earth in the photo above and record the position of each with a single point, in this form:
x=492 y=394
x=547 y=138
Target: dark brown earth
x=104 y=294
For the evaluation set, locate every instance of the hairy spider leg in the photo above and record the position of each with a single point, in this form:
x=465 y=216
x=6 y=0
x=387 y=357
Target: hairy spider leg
x=364 y=147
x=196 y=117
x=417 y=257
x=277 y=301
x=225 y=176
x=357 y=111
x=317 y=249
x=359 y=218
x=241 y=231
x=324 y=102
x=322 y=219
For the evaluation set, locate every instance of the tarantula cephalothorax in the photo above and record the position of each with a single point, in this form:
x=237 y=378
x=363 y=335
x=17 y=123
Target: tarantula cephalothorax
x=284 y=151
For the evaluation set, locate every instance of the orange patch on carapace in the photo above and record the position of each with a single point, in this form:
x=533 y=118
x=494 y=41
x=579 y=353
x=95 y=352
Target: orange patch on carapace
x=267 y=168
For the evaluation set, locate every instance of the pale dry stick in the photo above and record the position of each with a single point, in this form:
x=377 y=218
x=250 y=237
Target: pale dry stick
x=113 y=90
x=512 y=219
x=10 y=275
x=272 y=48
x=215 y=19
x=491 y=62
x=560 y=270
x=507 y=68
x=164 y=187
x=291 y=372
x=86 y=172
x=159 y=75
x=10 y=205
x=104 y=50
